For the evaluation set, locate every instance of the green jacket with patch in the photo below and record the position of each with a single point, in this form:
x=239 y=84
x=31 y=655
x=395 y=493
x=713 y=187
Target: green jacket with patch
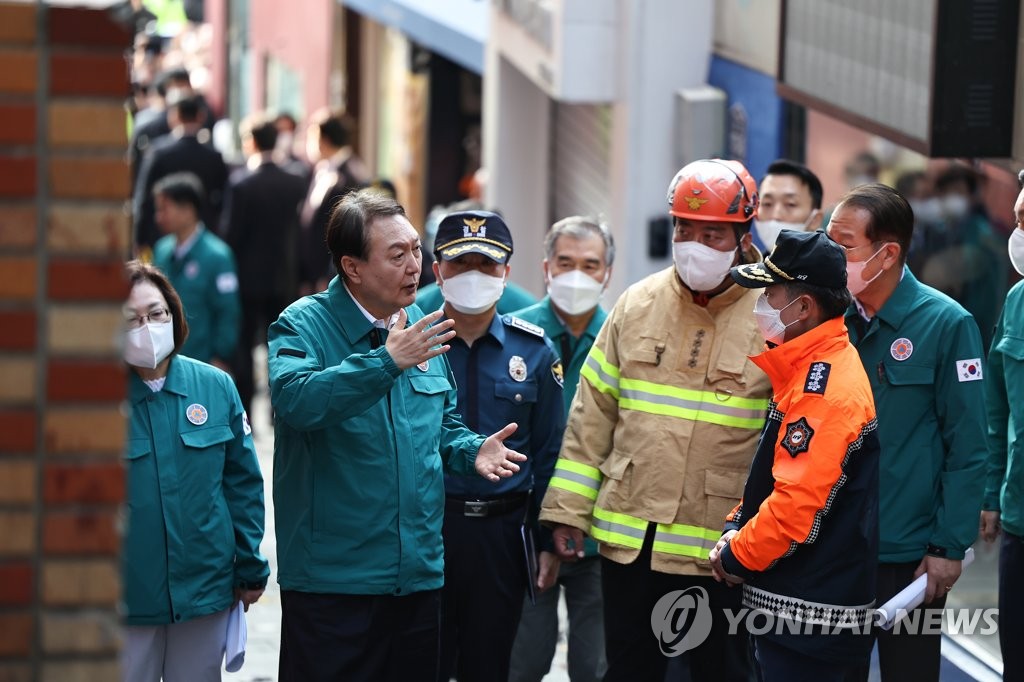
x=195 y=509
x=923 y=356
x=359 y=452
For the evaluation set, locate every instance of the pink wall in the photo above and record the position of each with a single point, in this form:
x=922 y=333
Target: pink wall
x=299 y=33
x=830 y=145
x=216 y=14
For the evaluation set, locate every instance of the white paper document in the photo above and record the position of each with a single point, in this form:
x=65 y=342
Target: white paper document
x=234 y=643
x=910 y=597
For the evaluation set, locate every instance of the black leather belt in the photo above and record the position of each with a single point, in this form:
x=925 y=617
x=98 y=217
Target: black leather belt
x=484 y=508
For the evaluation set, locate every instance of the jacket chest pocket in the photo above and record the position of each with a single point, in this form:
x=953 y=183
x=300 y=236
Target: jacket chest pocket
x=909 y=375
x=203 y=456
x=649 y=354
x=1012 y=347
x=515 y=399
x=429 y=384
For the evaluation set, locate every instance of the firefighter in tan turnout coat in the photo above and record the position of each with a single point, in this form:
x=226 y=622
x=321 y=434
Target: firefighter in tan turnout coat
x=663 y=429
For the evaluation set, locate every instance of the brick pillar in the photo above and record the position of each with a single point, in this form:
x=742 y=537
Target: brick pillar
x=63 y=238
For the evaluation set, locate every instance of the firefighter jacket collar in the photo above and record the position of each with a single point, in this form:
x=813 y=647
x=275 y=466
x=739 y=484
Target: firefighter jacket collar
x=778 y=362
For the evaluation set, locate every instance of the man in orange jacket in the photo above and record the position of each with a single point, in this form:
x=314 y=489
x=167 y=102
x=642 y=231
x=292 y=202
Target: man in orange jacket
x=804 y=538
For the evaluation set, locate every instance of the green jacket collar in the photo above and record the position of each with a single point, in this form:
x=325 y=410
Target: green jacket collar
x=175 y=382
x=899 y=304
x=353 y=323
x=555 y=328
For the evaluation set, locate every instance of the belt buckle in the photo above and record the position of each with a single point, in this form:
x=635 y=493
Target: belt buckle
x=475 y=509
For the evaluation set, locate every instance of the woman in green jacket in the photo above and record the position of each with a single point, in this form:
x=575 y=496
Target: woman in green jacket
x=194 y=497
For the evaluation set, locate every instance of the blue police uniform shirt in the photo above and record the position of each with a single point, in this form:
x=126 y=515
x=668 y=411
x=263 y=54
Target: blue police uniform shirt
x=510 y=374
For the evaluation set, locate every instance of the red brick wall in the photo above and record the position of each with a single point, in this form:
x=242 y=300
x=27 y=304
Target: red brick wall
x=63 y=237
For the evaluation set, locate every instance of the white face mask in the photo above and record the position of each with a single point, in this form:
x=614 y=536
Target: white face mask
x=955 y=206
x=149 y=345
x=855 y=281
x=701 y=268
x=575 y=292
x=473 y=292
x=927 y=210
x=769 y=320
x=1016 y=248
x=768 y=231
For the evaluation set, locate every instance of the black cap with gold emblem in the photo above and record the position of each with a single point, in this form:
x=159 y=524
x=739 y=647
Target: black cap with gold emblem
x=473 y=232
x=807 y=257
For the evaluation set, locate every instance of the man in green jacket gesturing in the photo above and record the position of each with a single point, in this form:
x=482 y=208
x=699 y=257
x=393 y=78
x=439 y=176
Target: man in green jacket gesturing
x=365 y=424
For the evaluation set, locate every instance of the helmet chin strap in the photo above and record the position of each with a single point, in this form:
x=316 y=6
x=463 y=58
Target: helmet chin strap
x=739 y=243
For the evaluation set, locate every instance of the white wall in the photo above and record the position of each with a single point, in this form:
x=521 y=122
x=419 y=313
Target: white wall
x=662 y=47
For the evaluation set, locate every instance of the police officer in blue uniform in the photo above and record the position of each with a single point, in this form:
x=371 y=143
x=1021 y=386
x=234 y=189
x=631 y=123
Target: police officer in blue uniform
x=506 y=371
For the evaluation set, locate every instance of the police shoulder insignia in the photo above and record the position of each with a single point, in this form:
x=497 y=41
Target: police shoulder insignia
x=817 y=378
x=557 y=372
x=798 y=437
x=524 y=325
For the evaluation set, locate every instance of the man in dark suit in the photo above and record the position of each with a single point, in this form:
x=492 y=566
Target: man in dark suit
x=260 y=220
x=338 y=170
x=179 y=151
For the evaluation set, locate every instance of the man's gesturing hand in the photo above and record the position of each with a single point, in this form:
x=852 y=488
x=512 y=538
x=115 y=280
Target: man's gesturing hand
x=411 y=346
x=494 y=461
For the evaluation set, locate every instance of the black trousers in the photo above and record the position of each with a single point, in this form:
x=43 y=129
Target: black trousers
x=630 y=593
x=342 y=637
x=1011 y=606
x=903 y=655
x=484 y=586
x=776 y=663
x=258 y=313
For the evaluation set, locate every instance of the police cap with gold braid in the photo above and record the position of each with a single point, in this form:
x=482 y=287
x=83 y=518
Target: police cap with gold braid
x=807 y=257
x=473 y=232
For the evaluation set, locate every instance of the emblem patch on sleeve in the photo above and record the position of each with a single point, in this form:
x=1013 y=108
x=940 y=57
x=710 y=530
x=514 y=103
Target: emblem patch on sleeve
x=969 y=370
x=817 y=378
x=798 y=437
x=557 y=372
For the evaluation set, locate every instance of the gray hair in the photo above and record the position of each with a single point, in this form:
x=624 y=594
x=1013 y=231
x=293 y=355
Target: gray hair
x=580 y=227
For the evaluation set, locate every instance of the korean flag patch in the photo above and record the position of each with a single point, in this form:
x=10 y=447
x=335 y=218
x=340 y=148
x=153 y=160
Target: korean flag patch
x=968 y=370
x=798 y=437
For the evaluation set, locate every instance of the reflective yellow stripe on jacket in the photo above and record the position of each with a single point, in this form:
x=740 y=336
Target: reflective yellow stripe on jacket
x=577 y=478
x=672 y=401
x=676 y=538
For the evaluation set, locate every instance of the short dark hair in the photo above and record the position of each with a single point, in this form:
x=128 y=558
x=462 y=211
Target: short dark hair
x=906 y=184
x=286 y=117
x=335 y=127
x=892 y=219
x=137 y=272
x=187 y=107
x=350 y=219
x=832 y=302
x=955 y=174
x=802 y=173
x=261 y=129
x=179 y=74
x=182 y=188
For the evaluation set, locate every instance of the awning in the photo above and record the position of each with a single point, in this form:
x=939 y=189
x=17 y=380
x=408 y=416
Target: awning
x=456 y=29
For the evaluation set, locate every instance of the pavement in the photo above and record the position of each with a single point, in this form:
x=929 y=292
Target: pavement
x=964 y=658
